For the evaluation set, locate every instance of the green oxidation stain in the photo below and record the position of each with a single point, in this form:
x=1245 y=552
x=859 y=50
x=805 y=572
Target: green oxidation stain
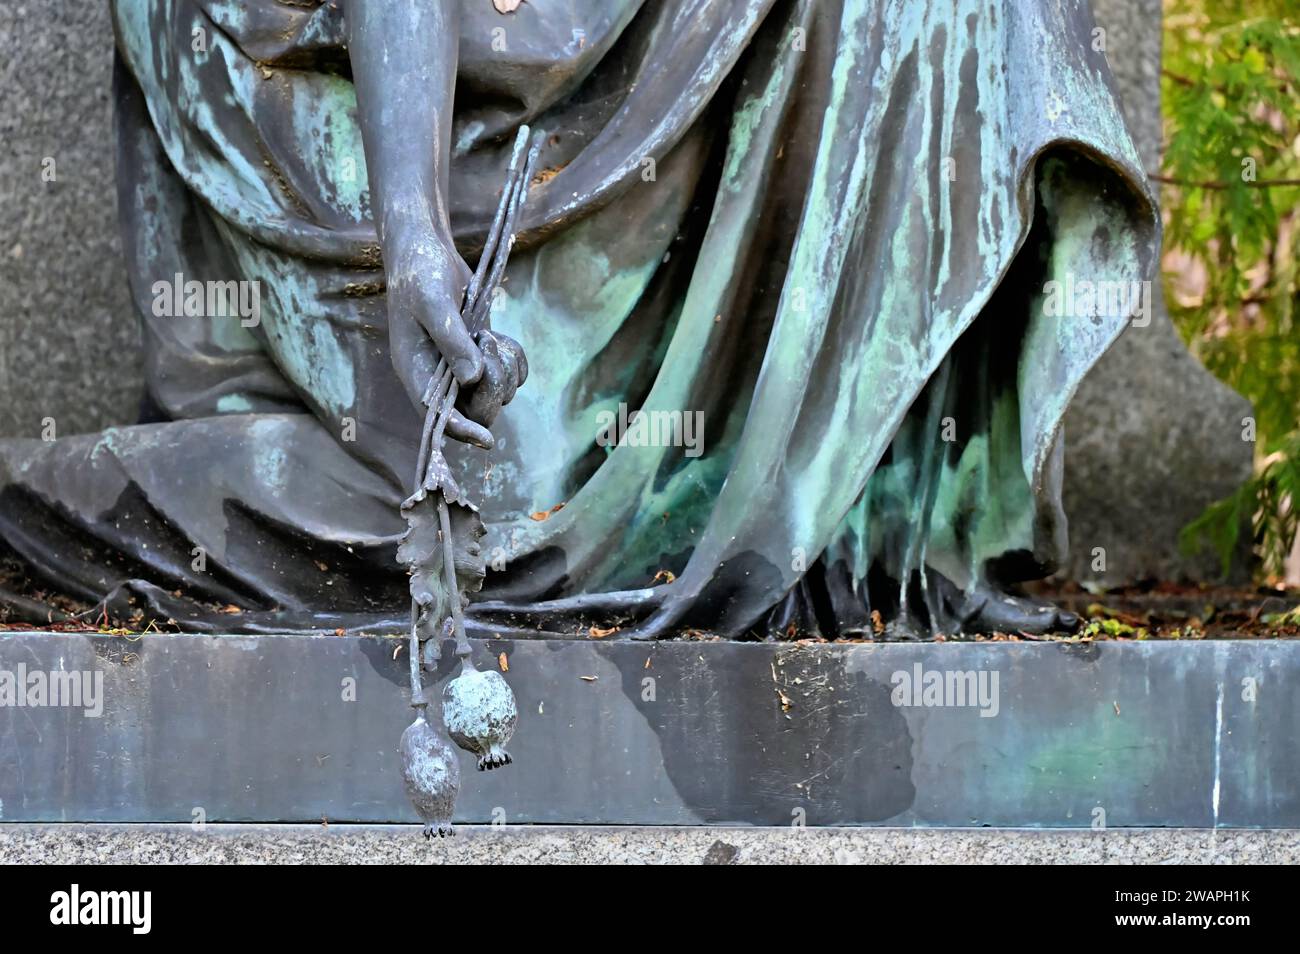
x=905 y=334
x=306 y=346
x=466 y=138
x=1099 y=755
x=182 y=107
x=324 y=119
x=1079 y=213
x=313 y=356
x=743 y=128
x=269 y=459
x=295 y=319
x=841 y=178
x=233 y=404
x=987 y=493
x=989 y=488
x=193 y=100
x=125 y=443
x=134 y=30
x=823 y=217
x=562 y=333
x=1079 y=102
x=158 y=236
x=229 y=334
x=673 y=513
x=230 y=15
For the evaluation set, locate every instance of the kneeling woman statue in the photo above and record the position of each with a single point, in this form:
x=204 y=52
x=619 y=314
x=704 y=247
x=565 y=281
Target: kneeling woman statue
x=825 y=231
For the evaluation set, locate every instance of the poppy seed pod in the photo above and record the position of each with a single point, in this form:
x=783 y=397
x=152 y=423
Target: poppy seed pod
x=480 y=712
x=431 y=772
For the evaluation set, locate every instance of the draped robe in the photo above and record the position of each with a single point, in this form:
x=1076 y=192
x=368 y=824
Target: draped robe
x=824 y=229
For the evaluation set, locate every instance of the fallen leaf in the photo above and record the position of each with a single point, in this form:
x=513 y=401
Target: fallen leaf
x=597 y=633
x=230 y=609
x=544 y=514
x=666 y=575
x=506 y=6
x=503 y=663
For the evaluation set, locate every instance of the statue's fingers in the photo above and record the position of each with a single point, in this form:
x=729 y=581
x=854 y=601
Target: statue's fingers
x=509 y=383
x=442 y=322
x=510 y=367
x=492 y=392
x=515 y=362
x=414 y=359
x=462 y=429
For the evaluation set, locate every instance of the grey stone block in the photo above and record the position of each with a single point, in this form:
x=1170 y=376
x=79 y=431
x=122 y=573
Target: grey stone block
x=69 y=341
x=1129 y=734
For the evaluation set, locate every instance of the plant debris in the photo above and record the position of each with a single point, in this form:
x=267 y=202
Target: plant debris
x=546 y=514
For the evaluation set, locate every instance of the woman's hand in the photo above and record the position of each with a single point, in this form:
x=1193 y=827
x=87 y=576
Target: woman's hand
x=504 y=370
x=426 y=281
x=426 y=292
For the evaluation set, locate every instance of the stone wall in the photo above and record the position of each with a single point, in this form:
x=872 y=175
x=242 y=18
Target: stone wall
x=1151 y=439
x=69 y=343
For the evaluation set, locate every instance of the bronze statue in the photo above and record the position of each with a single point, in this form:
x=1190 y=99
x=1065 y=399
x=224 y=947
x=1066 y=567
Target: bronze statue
x=779 y=280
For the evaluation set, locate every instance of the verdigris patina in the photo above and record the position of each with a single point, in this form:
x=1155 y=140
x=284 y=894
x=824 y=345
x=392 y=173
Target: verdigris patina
x=823 y=228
